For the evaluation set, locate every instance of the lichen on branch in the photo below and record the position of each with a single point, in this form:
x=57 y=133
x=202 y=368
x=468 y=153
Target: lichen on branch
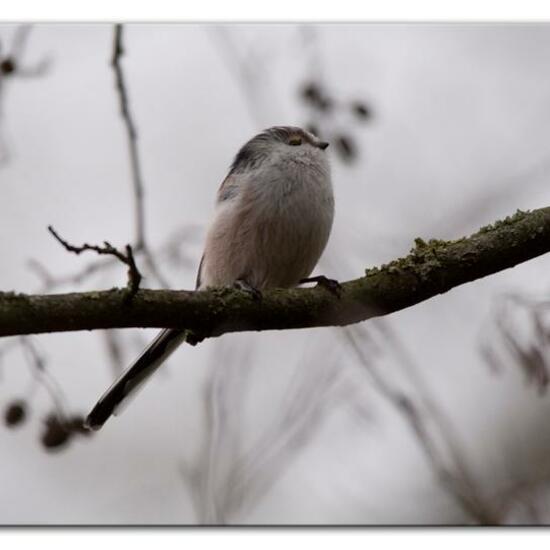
x=432 y=267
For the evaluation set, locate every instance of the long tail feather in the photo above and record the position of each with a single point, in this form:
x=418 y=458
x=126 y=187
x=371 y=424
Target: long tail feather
x=133 y=378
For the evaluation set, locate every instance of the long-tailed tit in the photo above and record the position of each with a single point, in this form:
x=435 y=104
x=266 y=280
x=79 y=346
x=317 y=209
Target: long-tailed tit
x=273 y=218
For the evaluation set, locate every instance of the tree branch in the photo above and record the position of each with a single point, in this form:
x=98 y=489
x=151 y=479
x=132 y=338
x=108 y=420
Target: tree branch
x=141 y=244
x=432 y=268
x=134 y=276
x=137 y=179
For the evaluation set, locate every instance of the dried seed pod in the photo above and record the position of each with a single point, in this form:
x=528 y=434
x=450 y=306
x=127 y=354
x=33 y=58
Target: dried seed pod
x=56 y=434
x=325 y=104
x=345 y=147
x=7 y=66
x=311 y=92
x=15 y=413
x=361 y=110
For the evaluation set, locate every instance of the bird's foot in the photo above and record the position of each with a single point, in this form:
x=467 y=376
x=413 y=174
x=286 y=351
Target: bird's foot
x=332 y=285
x=193 y=337
x=254 y=293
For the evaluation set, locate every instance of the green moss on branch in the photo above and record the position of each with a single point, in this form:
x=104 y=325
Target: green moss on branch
x=432 y=267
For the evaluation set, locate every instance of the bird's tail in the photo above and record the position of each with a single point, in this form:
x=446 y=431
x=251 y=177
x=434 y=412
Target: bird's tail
x=133 y=378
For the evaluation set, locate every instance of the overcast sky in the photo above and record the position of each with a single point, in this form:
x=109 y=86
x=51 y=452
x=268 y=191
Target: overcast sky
x=459 y=138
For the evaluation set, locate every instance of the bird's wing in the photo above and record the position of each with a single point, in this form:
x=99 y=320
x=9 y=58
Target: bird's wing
x=229 y=188
x=199 y=274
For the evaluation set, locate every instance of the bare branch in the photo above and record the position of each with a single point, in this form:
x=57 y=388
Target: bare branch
x=134 y=276
x=50 y=281
x=113 y=346
x=452 y=472
x=37 y=362
x=430 y=269
x=137 y=178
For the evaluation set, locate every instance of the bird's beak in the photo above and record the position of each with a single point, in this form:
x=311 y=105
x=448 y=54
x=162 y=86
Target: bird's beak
x=323 y=145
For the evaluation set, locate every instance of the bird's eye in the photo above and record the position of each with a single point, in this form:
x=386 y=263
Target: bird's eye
x=295 y=140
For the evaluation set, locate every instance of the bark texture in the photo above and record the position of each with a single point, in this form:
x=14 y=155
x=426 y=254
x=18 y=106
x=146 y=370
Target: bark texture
x=432 y=268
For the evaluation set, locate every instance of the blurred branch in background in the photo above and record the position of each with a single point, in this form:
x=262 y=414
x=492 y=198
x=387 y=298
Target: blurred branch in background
x=169 y=252
x=424 y=417
x=172 y=250
x=327 y=116
x=59 y=427
x=12 y=66
x=246 y=67
x=228 y=479
x=521 y=337
x=225 y=485
x=494 y=195
x=229 y=476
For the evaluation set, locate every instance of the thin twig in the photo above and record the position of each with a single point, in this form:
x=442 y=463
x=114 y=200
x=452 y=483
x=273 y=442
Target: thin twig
x=135 y=164
x=137 y=179
x=114 y=350
x=437 y=415
x=227 y=479
x=10 y=67
x=455 y=477
x=38 y=365
x=134 y=276
x=49 y=281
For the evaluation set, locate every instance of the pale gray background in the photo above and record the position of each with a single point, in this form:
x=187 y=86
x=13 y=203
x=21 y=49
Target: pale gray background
x=459 y=138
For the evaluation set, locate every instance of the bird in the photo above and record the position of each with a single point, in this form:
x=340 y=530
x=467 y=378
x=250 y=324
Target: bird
x=272 y=221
